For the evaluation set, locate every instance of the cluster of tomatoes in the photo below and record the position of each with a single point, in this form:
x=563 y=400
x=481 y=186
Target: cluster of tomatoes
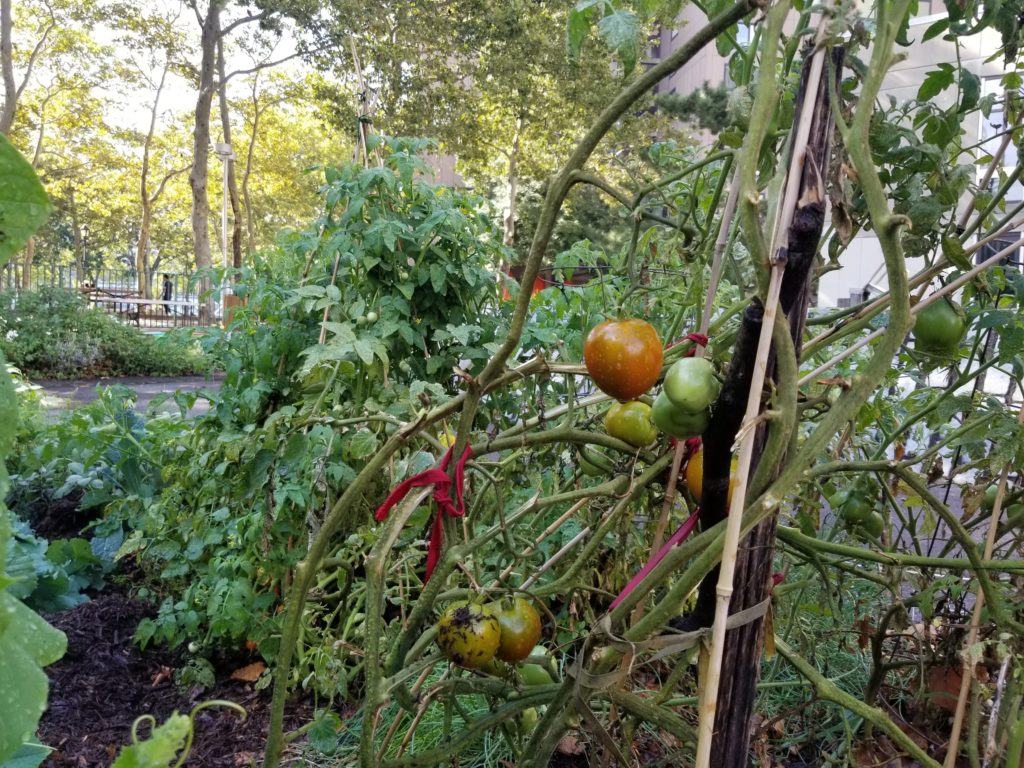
x=473 y=634
x=624 y=358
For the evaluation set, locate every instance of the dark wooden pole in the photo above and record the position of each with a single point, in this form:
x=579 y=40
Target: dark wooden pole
x=744 y=645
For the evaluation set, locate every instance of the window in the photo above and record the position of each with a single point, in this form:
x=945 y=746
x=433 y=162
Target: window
x=991 y=134
x=987 y=251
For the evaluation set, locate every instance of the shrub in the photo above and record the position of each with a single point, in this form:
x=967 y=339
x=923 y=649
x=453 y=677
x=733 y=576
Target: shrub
x=51 y=333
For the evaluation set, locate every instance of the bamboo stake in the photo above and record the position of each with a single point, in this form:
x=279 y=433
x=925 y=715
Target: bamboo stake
x=748 y=432
x=916 y=309
x=979 y=602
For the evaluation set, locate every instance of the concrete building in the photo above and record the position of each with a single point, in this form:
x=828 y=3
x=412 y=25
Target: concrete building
x=862 y=265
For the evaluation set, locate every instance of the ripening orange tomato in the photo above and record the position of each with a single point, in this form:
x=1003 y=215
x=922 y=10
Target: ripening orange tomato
x=623 y=357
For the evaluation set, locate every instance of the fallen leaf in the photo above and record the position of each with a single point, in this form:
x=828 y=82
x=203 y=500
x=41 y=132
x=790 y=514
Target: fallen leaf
x=250 y=673
x=161 y=675
x=569 y=745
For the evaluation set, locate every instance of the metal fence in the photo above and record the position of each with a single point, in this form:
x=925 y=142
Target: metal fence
x=115 y=291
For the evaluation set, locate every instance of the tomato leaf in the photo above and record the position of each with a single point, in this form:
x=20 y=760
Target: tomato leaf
x=621 y=31
x=935 y=82
x=953 y=250
x=160 y=749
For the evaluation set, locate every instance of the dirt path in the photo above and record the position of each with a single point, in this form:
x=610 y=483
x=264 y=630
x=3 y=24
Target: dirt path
x=62 y=396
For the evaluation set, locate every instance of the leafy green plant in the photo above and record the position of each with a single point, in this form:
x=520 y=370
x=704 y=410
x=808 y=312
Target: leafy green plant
x=51 y=577
x=51 y=333
x=168 y=744
x=27 y=642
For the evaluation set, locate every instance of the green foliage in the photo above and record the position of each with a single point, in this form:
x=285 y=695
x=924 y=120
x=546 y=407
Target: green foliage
x=708 y=107
x=161 y=748
x=24 y=205
x=51 y=577
x=27 y=643
x=51 y=333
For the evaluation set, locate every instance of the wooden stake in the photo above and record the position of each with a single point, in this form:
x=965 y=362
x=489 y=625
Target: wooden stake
x=748 y=432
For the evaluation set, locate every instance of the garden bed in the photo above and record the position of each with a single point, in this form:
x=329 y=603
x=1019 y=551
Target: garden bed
x=105 y=682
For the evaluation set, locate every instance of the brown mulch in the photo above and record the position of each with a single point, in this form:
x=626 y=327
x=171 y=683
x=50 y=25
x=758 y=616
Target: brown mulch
x=104 y=682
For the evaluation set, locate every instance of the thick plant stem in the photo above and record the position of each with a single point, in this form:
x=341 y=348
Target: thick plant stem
x=972 y=635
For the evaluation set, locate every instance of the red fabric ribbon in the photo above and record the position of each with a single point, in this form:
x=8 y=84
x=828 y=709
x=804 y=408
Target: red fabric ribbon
x=696 y=338
x=677 y=538
x=445 y=506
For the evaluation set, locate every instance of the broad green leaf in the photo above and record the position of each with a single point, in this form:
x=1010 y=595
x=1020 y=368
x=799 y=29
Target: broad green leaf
x=935 y=82
x=24 y=205
x=936 y=29
x=621 y=31
x=576 y=30
x=160 y=749
x=31 y=755
x=970 y=90
x=27 y=643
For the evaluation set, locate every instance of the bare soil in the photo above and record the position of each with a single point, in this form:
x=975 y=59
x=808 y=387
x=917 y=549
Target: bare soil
x=105 y=682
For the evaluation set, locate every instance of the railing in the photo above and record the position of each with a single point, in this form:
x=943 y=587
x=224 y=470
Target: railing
x=148 y=313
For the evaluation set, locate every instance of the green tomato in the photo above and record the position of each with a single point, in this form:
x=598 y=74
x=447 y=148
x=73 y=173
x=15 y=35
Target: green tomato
x=989 y=501
x=631 y=423
x=675 y=422
x=594 y=463
x=691 y=384
x=528 y=719
x=857 y=508
x=939 y=328
x=874 y=525
x=1014 y=516
x=371 y=317
x=534 y=674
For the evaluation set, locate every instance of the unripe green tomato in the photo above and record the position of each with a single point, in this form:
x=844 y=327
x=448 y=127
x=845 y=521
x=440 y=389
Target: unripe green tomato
x=989 y=500
x=594 y=463
x=371 y=317
x=529 y=719
x=939 y=328
x=534 y=674
x=631 y=422
x=875 y=524
x=691 y=384
x=361 y=320
x=857 y=508
x=1014 y=516
x=675 y=422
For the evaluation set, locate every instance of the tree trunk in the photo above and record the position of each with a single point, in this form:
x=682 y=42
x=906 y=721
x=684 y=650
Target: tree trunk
x=509 y=235
x=142 y=252
x=250 y=227
x=199 y=174
x=76 y=235
x=230 y=180
x=743 y=646
x=7 y=65
x=26 y=264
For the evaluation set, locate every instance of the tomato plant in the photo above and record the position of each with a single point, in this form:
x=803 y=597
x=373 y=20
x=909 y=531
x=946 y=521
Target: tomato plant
x=623 y=357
